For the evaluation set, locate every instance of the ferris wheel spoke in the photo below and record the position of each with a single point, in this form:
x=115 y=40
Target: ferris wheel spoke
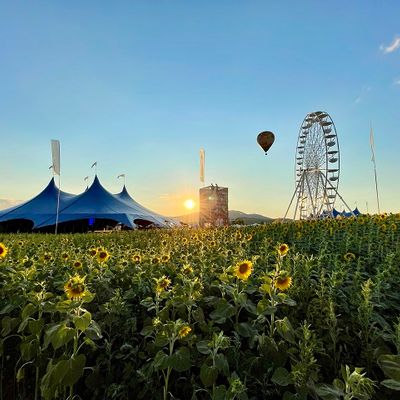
x=316 y=165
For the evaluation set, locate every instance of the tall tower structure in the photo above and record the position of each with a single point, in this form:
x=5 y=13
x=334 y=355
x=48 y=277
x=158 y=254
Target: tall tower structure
x=213 y=206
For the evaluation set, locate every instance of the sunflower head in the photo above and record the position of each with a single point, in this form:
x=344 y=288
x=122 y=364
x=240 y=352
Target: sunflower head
x=136 y=258
x=283 y=249
x=283 y=281
x=102 y=255
x=3 y=250
x=77 y=264
x=187 y=269
x=165 y=258
x=243 y=270
x=65 y=256
x=92 y=251
x=75 y=287
x=162 y=284
x=184 y=331
x=349 y=256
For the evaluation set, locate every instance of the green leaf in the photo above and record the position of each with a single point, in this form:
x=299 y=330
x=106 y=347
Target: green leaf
x=20 y=374
x=245 y=329
x=160 y=361
x=391 y=384
x=29 y=348
x=59 y=335
x=161 y=340
x=208 y=375
x=93 y=331
x=198 y=315
x=8 y=324
x=28 y=310
x=223 y=311
x=82 y=322
x=282 y=377
x=180 y=360
x=328 y=392
x=285 y=329
x=222 y=364
x=390 y=365
x=73 y=369
x=219 y=393
x=35 y=326
x=203 y=347
x=264 y=307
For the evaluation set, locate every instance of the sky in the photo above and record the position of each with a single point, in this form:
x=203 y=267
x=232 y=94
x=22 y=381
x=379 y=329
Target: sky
x=141 y=86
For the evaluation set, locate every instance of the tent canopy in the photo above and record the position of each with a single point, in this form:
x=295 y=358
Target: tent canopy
x=94 y=203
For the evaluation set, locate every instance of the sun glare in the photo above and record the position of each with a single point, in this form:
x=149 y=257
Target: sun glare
x=189 y=204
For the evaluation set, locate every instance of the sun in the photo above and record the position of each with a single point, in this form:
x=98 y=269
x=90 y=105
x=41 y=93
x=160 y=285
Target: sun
x=189 y=204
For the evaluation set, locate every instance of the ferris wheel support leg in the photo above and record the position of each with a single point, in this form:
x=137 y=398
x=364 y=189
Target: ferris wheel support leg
x=340 y=197
x=312 y=200
x=291 y=201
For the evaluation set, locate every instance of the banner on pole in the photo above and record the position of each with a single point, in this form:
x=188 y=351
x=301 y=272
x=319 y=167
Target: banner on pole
x=55 y=152
x=371 y=142
x=94 y=164
x=202 y=164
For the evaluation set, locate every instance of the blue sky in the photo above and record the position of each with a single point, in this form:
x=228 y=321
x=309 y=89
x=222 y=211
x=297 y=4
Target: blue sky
x=140 y=86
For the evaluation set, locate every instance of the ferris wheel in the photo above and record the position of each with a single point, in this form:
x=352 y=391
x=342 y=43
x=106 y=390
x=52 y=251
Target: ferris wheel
x=317 y=167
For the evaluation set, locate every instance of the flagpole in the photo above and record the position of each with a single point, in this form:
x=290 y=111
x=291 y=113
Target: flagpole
x=371 y=139
x=55 y=153
x=58 y=202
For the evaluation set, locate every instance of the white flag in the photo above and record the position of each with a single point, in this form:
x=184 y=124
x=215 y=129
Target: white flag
x=121 y=176
x=55 y=152
x=202 y=164
x=372 y=143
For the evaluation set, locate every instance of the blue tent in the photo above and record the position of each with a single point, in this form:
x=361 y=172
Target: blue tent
x=41 y=207
x=95 y=203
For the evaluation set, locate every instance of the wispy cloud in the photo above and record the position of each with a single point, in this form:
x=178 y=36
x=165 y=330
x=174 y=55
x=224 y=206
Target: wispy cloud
x=397 y=82
x=365 y=90
x=392 y=47
x=6 y=203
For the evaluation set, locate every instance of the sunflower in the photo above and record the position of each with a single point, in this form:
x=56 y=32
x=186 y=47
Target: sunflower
x=136 y=258
x=283 y=249
x=102 y=255
x=187 y=269
x=155 y=260
x=349 y=256
x=3 y=250
x=75 y=287
x=47 y=257
x=162 y=284
x=165 y=258
x=77 y=264
x=283 y=281
x=243 y=269
x=92 y=252
x=184 y=331
x=65 y=256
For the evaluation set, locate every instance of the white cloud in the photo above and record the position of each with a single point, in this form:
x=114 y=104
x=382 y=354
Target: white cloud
x=397 y=82
x=392 y=47
x=6 y=203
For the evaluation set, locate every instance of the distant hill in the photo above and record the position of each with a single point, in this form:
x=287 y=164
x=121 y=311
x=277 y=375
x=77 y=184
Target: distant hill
x=237 y=217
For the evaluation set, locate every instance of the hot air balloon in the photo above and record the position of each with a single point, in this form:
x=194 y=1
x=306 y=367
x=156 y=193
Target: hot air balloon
x=265 y=140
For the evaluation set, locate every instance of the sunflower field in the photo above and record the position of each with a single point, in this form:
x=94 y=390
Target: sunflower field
x=300 y=310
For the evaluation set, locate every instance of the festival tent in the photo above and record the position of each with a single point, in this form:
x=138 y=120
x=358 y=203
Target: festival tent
x=126 y=198
x=94 y=204
x=41 y=207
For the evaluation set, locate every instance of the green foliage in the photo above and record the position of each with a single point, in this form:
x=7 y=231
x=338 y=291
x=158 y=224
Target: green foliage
x=167 y=316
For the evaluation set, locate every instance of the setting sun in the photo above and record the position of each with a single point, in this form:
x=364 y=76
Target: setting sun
x=189 y=204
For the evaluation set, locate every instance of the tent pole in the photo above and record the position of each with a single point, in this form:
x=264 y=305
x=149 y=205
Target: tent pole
x=58 y=203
